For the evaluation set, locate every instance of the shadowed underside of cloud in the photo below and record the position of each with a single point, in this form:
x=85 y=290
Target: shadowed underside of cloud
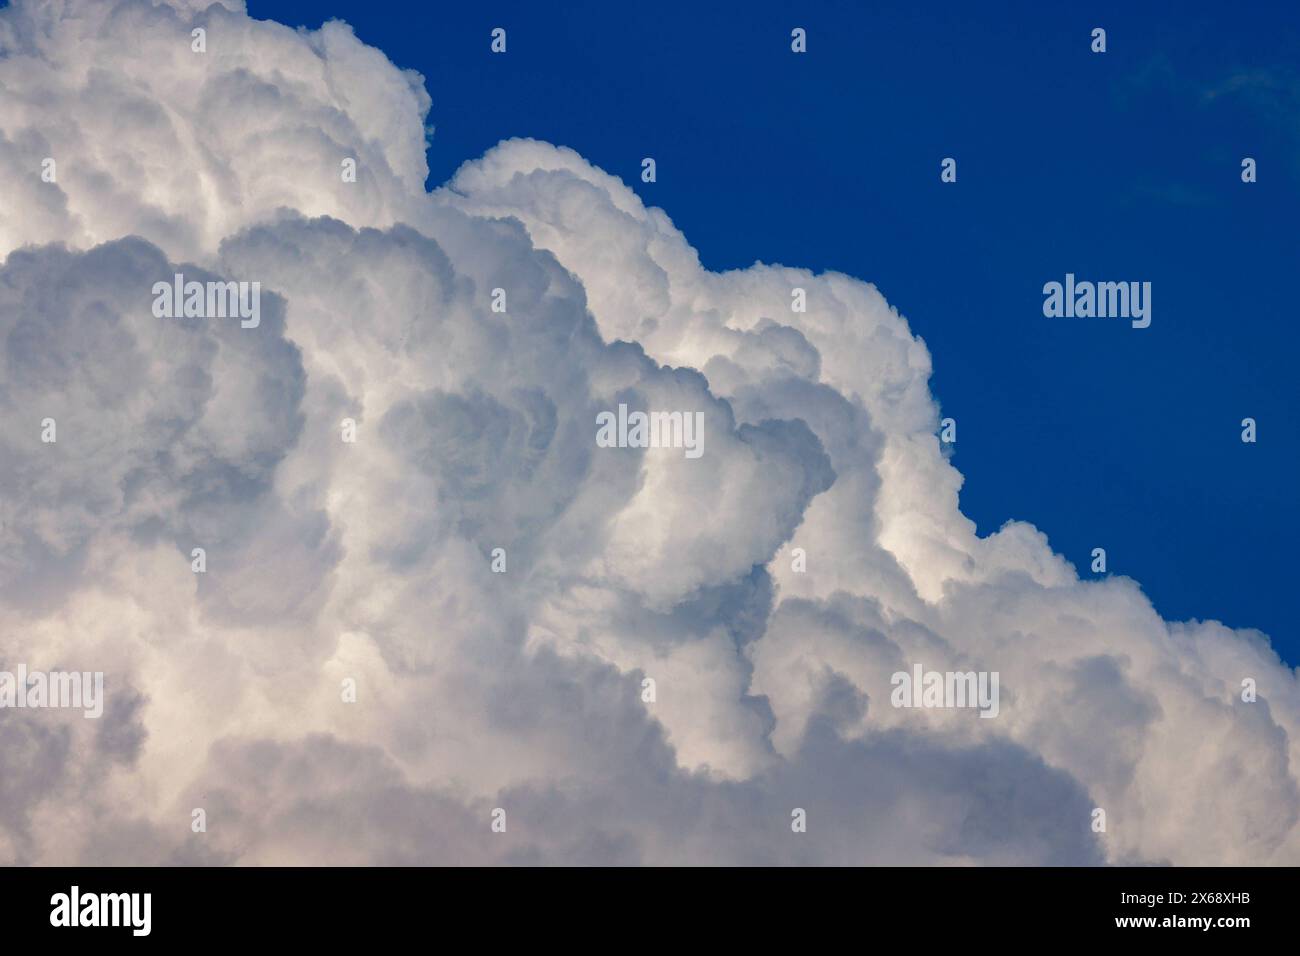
x=371 y=561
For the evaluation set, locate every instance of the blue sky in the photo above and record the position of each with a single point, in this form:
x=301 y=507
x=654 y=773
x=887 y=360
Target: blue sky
x=1121 y=166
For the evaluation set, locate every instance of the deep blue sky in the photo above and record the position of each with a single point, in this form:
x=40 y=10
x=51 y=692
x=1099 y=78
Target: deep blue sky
x=1120 y=166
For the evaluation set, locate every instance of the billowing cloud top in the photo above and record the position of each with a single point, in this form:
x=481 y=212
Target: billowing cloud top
x=496 y=589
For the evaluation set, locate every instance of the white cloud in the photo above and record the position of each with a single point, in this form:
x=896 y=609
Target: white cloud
x=371 y=561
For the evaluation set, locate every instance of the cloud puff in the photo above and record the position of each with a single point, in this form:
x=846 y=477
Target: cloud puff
x=369 y=563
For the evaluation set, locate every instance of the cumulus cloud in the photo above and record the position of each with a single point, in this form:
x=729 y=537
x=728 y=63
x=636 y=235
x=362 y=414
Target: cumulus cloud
x=769 y=589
